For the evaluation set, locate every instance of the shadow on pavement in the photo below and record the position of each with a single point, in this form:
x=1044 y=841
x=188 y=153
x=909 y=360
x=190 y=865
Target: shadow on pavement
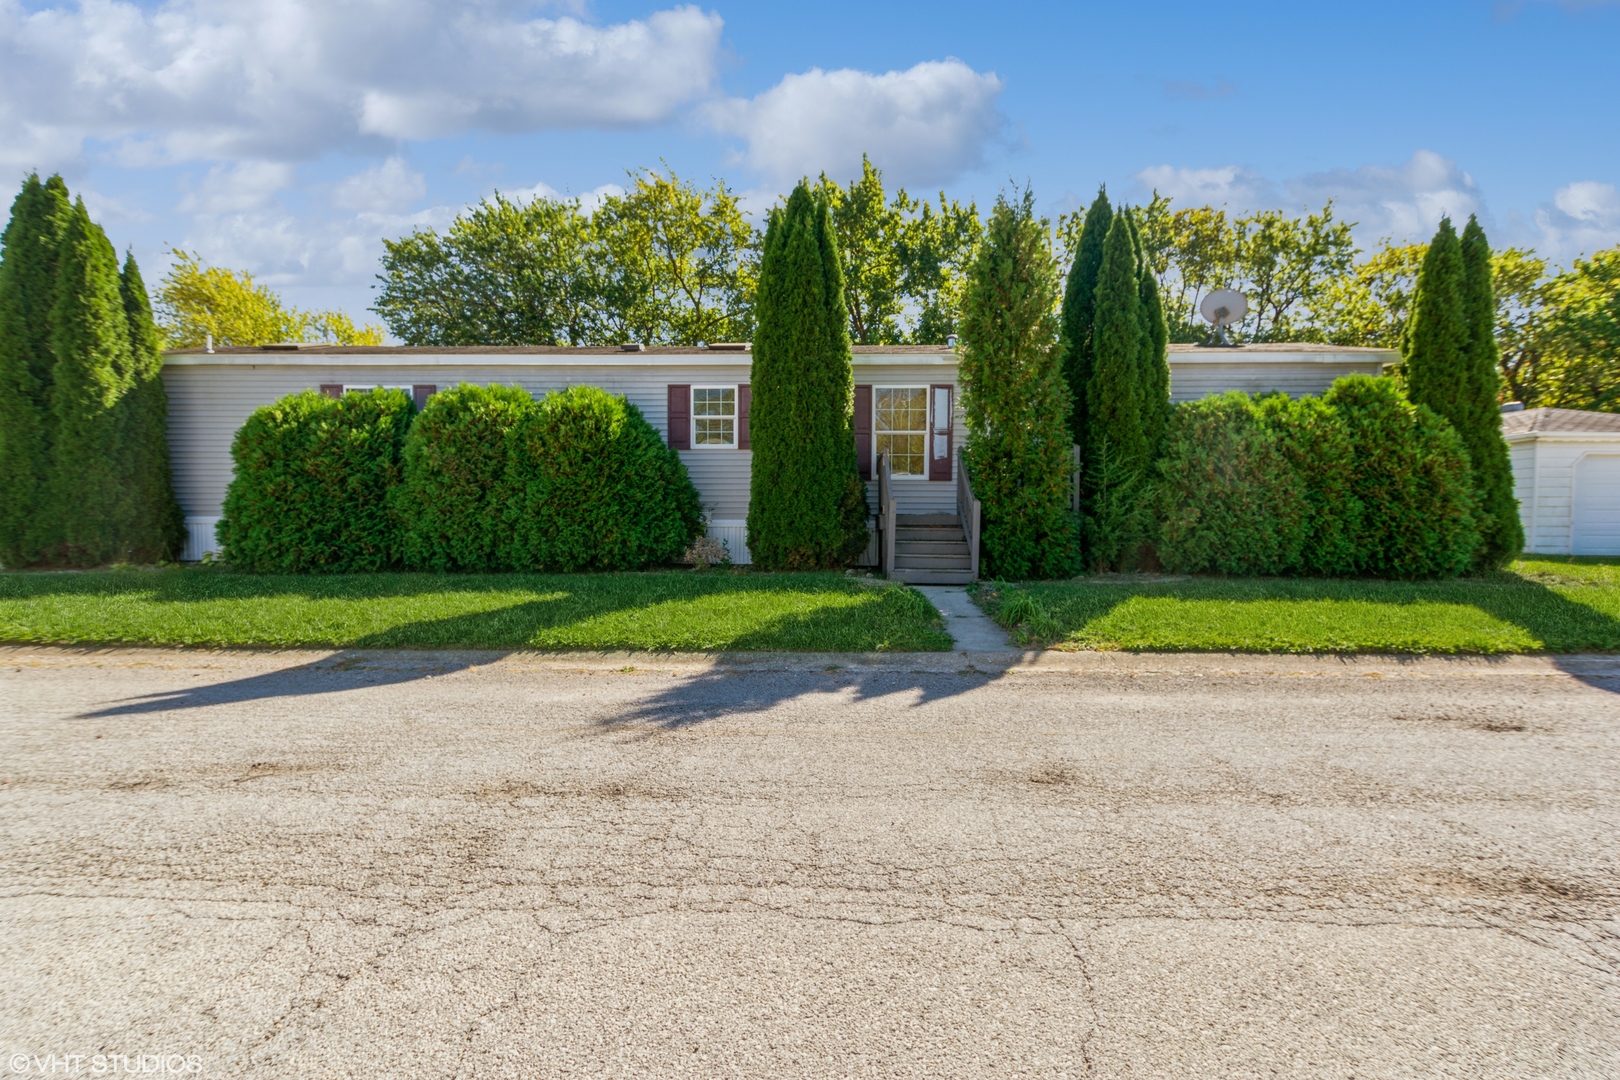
x=733 y=691
x=332 y=675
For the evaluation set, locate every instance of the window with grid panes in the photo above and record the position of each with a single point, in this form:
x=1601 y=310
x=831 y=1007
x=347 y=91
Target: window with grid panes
x=900 y=424
x=714 y=416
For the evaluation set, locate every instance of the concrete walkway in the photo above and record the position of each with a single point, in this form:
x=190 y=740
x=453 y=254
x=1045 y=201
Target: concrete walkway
x=973 y=630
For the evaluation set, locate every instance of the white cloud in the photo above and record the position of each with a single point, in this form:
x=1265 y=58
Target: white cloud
x=1230 y=185
x=247 y=185
x=924 y=125
x=287 y=80
x=386 y=187
x=1584 y=217
x=588 y=201
x=1404 y=203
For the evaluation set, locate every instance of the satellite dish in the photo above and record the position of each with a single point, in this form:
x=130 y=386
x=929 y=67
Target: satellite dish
x=1223 y=308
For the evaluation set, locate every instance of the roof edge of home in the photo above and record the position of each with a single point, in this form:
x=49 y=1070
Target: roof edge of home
x=1210 y=351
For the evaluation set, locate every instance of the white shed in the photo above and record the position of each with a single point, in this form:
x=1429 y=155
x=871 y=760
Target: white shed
x=1566 y=474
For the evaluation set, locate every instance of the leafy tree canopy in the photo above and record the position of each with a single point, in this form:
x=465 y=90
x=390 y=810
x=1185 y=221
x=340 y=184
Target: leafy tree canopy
x=196 y=300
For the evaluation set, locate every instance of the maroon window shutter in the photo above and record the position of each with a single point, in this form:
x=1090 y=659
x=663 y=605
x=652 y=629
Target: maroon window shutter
x=332 y=390
x=744 y=398
x=940 y=407
x=863 y=430
x=680 y=417
x=421 y=393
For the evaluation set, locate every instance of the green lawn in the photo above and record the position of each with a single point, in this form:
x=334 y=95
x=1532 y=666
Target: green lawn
x=674 y=611
x=1539 y=605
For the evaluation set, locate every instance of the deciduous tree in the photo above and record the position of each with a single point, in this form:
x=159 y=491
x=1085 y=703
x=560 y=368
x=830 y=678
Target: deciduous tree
x=197 y=303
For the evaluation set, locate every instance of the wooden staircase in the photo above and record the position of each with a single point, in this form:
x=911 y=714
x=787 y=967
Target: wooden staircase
x=931 y=549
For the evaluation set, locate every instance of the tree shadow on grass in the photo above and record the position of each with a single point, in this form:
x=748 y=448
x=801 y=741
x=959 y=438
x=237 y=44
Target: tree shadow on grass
x=501 y=631
x=1563 y=625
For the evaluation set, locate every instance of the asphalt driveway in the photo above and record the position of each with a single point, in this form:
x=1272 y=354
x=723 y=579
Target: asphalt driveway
x=437 y=865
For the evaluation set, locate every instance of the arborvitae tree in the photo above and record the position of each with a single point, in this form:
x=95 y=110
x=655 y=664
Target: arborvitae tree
x=1496 y=510
x=1016 y=399
x=90 y=337
x=1079 y=306
x=27 y=290
x=1156 y=354
x=153 y=528
x=1115 y=456
x=1434 y=347
x=807 y=505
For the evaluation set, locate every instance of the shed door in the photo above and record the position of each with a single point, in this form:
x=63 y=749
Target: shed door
x=1596 y=525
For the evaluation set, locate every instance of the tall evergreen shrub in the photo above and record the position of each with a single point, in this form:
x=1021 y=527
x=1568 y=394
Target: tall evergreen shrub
x=82 y=520
x=455 y=494
x=31 y=245
x=807 y=505
x=1412 y=482
x=1501 y=531
x=1155 y=370
x=1015 y=398
x=595 y=487
x=153 y=529
x=312 y=481
x=1079 y=311
x=1230 y=500
x=1115 y=456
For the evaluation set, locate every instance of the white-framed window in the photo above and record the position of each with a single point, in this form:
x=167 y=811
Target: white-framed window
x=714 y=416
x=900 y=426
x=366 y=388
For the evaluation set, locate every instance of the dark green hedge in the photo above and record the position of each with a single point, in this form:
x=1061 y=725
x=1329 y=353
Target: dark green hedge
x=1412 y=480
x=453 y=502
x=1358 y=482
x=1231 y=501
x=595 y=487
x=312 y=482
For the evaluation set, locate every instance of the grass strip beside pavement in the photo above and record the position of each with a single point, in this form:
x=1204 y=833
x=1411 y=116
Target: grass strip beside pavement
x=1537 y=605
x=676 y=611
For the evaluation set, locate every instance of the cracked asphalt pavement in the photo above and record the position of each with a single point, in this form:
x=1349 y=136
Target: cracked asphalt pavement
x=475 y=865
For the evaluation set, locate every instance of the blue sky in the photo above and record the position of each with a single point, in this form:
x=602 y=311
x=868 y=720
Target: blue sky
x=287 y=137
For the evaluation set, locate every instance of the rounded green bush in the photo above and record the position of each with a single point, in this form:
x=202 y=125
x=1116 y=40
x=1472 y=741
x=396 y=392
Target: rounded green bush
x=1313 y=439
x=594 y=487
x=453 y=500
x=1412 y=481
x=1230 y=501
x=310 y=490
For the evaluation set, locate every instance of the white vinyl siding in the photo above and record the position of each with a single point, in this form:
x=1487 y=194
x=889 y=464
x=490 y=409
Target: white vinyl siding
x=210 y=397
x=1595 y=516
x=1194 y=378
x=1568 y=487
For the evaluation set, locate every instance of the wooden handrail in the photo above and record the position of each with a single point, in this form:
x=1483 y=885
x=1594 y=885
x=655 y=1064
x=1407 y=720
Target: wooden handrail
x=969 y=512
x=888 y=515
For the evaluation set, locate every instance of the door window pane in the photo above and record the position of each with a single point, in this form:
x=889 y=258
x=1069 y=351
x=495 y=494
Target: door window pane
x=901 y=422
